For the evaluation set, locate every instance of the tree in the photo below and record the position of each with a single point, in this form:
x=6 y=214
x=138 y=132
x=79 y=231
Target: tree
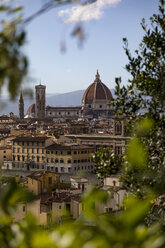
x=144 y=97
x=106 y=162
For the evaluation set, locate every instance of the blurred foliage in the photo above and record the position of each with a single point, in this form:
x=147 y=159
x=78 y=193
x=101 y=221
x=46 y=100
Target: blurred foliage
x=125 y=229
x=13 y=63
x=106 y=162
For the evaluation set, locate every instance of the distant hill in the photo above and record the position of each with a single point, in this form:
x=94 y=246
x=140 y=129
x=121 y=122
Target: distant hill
x=73 y=98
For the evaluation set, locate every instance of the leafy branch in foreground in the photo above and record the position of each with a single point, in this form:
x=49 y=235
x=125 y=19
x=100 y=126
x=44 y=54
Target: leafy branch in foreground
x=106 y=162
x=143 y=101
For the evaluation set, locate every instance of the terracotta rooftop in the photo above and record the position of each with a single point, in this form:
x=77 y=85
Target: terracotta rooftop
x=38 y=174
x=63 y=108
x=56 y=146
x=31 y=138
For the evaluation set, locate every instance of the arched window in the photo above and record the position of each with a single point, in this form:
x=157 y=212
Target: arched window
x=69 y=161
x=118 y=128
x=56 y=160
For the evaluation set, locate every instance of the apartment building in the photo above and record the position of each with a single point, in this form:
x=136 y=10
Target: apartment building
x=29 y=152
x=69 y=158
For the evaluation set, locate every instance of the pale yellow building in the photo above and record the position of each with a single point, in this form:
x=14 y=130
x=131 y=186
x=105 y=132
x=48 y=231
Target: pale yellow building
x=29 y=152
x=5 y=154
x=42 y=182
x=69 y=158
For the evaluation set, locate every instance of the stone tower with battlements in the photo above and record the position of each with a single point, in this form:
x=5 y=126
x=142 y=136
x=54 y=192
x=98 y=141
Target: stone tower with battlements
x=40 y=101
x=21 y=107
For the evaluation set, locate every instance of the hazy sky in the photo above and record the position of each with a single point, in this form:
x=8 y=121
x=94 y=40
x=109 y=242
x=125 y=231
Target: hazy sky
x=105 y=23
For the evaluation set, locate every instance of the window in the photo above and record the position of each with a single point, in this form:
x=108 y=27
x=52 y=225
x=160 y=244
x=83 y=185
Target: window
x=23 y=143
x=59 y=113
x=68 y=113
x=100 y=106
x=61 y=152
x=118 y=128
x=61 y=160
x=27 y=143
x=52 y=160
x=49 y=180
x=43 y=159
x=75 y=152
x=47 y=160
x=78 y=160
x=75 y=161
x=114 y=183
x=32 y=143
x=23 y=208
x=42 y=151
x=4 y=151
x=56 y=160
x=69 y=161
x=51 y=152
x=118 y=150
x=47 y=152
x=82 y=152
x=38 y=159
x=38 y=151
x=56 y=169
x=69 y=152
x=59 y=206
x=32 y=150
x=23 y=158
x=18 y=150
x=56 y=152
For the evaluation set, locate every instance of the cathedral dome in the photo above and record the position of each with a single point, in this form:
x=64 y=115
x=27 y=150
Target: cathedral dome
x=97 y=91
x=31 y=109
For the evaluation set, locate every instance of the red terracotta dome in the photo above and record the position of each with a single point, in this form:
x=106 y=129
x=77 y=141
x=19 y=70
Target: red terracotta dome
x=96 y=91
x=31 y=109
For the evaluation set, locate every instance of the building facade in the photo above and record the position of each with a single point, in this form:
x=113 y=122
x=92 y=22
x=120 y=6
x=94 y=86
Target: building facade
x=21 y=107
x=96 y=103
x=40 y=102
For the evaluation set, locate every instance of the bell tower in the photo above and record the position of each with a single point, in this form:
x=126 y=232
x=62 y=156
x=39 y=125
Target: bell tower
x=21 y=107
x=40 y=101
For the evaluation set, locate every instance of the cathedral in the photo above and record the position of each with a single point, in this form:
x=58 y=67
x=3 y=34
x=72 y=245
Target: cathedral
x=96 y=103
